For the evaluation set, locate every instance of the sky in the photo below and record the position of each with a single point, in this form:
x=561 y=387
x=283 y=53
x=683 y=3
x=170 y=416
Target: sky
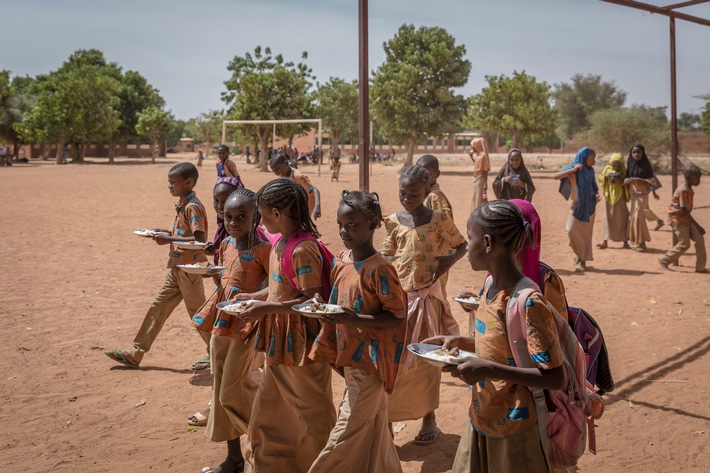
x=183 y=47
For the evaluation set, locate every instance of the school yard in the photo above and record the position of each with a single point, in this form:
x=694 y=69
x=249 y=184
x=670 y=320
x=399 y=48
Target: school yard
x=78 y=282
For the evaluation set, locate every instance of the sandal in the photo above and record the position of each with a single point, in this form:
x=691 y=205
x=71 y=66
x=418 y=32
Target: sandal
x=118 y=355
x=227 y=466
x=418 y=440
x=199 y=418
x=200 y=365
x=603 y=245
x=659 y=224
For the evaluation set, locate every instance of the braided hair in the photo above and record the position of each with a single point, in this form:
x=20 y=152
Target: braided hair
x=287 y=196
x=503 y=220
x=415 y=173
x=246 y=195
x=366 y=202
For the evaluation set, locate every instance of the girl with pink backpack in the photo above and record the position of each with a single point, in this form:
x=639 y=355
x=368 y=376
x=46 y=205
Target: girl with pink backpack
x=501 y=434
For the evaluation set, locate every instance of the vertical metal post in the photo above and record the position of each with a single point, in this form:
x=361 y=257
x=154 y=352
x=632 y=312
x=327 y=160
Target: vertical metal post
x=320 y=143
x=364 y=98
x=674 y=119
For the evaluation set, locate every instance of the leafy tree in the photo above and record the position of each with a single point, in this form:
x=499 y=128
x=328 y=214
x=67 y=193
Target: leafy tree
x=208 y=127
x=16 y=98
x=617 y=129
x=265 y=87
x=413 y=90
x=689 y=122
x=135 y=95
x=178 y=131
x=155 y=124
x=705 y=123
x=337 y=105
x=575 y=102
x=517 y=106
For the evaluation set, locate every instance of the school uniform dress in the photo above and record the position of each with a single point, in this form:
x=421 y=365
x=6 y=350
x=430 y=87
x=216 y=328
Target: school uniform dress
x=501 y=435
x=304 y=182
x=190 y=218
x=234 y=362
x=293 y=412
x=684 y=229
x=436 y=200
x=225 y=170
x=368 y=358
x=416 y=391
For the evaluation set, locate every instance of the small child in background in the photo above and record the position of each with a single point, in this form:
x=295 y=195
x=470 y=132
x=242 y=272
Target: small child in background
x=364 y=344
x=685 y=227
x=225 y=166
x=293 y=412
x=419 y=239
x=247 y=261
x=436 y=199
x=280 y=166
x=200 y=158
x=501 y=435
x=190 y=225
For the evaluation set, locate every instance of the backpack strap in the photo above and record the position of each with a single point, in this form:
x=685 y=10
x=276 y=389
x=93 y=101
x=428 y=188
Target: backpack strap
x=287 y=256
x=518 y=340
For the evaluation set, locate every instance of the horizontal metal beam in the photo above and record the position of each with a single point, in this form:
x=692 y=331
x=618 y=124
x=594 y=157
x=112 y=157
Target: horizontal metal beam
x=660 y=11
x=684 y=4
x=269 y=122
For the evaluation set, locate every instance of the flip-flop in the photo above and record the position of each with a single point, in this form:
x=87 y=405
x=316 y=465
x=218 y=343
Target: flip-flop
x=200 y=365
x=435 y=433
x=200 y=417
x=117 y=355
x=238 y=467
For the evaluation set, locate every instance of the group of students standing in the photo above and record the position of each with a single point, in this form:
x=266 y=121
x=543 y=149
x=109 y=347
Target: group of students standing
x=272 y=366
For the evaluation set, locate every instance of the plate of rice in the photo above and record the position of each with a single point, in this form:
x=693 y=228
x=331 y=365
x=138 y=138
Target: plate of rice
x=234 y=308
x=316 y=309
x=437 y=355
x=201 y=268
x=190 y=245
x=149 y=233
x=469 y=303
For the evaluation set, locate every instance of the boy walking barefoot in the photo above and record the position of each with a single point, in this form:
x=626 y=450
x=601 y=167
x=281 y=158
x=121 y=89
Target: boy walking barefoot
x=684 y=225
x=190 y=225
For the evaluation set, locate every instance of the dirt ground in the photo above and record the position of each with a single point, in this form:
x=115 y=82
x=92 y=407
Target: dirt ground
x=77 y=282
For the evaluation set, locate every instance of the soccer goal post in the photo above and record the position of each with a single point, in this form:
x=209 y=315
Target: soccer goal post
x=274 y=123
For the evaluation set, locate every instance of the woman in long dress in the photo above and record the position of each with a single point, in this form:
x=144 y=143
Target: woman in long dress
x=615 y=223
x=579 y=187
x=514 y=180
x=641 y=181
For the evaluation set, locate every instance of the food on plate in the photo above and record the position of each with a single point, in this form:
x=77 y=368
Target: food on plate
x=318 y=307
x=236 y=307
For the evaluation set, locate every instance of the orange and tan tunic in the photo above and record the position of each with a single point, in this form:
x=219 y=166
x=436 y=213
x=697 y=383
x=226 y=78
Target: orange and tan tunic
x=191 y=217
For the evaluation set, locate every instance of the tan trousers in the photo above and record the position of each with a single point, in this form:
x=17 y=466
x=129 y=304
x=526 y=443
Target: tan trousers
x=291 y=420
x=685 y=235
x=235 y=365
x=479 y=183
x=178 y=285
x=638 y=229
x=519 y=453
x=360 y=441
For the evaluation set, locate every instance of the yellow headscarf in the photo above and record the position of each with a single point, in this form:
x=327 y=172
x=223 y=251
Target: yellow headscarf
x=613 y=191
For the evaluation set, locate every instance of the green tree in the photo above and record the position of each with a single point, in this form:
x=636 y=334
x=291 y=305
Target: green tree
x=689 y=122
x=135 y=95
x=517 y=106
x=705 y=122
x=16 y=98
x=208 y=127
x=155 y=124
x=617 y=129
x=265 y=87
x=178 y=131
x=576 y=101
x=337 y=105
x=413 y=90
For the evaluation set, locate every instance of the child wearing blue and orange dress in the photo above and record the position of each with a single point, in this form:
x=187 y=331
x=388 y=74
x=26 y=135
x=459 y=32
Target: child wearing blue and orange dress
x=420 y=240
x=501 y=435
x=246 y=259
x=364 y=344
x=293 y=412
x=225 y=167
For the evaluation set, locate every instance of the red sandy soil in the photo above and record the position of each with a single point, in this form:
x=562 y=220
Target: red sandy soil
x=77 y=282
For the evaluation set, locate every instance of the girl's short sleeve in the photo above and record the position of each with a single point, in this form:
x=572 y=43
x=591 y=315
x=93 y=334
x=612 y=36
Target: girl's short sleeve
x=449 y=231
x=389 y=245
x=262 y=255
x=543 y=344
x=308 y=265
x=389 y=290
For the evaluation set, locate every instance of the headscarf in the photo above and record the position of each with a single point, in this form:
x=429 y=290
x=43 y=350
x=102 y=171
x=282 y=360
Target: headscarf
x=641 y=168
x=221 y=232
x=505 y=191
x=530 y=257
x=482 y=162
x=587 y=189
x=613 y=192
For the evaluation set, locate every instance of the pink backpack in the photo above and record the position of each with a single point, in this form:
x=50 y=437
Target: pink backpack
x=565 y=417
x=326 y=256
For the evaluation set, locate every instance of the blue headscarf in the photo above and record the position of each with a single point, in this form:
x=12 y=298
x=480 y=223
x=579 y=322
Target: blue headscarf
x=587 y=188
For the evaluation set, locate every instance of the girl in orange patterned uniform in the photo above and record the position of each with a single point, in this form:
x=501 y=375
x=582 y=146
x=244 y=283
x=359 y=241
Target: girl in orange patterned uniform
x=293 y=412
x=364 y=344
x=233 y=361
x=419 y=240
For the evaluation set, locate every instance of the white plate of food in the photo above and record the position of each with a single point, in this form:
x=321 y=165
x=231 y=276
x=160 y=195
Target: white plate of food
x=190 y=245
x=149 y=233
x=201 y=268
x=438 y=356
x=316 y=309
x=234 y=308
x=470 y=303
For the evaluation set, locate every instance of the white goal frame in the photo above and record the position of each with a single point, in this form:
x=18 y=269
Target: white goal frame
x=319 y=121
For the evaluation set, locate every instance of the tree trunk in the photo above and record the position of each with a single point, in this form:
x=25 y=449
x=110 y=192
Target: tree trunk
x=60 y=152
x=411 y=145
x=153 y=146
x=110 y=151
x=264 y=156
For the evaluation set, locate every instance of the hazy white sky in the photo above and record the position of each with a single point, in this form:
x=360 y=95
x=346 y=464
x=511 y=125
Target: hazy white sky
x=182 y=47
